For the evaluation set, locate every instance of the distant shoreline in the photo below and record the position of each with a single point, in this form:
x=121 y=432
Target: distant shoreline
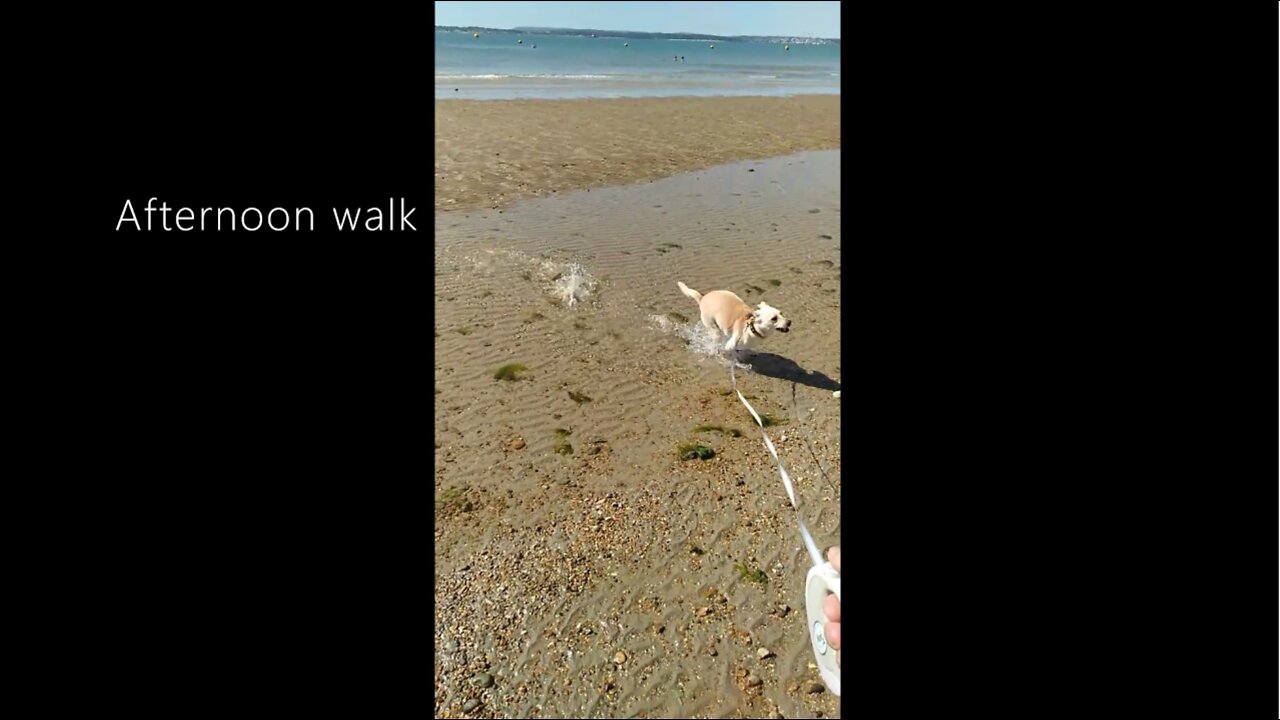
x=710 y=97
x=638 y=35
x=442 y=95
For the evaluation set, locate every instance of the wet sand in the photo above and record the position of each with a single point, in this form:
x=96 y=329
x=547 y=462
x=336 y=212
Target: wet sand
x=489 y=153
x=583 y=568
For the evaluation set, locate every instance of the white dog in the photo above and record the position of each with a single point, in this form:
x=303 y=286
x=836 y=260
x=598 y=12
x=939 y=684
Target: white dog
x=722 y=311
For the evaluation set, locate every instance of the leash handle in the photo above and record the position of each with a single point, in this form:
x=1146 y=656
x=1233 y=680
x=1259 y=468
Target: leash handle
x=822 y=580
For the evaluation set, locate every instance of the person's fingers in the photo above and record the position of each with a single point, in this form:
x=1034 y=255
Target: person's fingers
x=831 y=607
x=832 y=632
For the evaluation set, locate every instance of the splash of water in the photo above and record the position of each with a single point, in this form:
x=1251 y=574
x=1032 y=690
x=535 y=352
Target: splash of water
x=573 y=284
x=569 y=283
x=701 y=341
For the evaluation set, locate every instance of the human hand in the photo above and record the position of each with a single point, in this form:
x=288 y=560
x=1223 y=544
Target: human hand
x=831 y=607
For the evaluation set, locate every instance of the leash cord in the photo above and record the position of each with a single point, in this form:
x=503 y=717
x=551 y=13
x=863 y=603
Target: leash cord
x=812 y=547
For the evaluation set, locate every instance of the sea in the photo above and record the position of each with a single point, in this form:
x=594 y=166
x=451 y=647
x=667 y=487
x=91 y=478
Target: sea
x=507 y=65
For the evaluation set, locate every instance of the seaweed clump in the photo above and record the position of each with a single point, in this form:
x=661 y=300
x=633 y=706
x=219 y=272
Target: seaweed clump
x=755 y=576
x=731 y=432
x=696 y=451
x=509 y=371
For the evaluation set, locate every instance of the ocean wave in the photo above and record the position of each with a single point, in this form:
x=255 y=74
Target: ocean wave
x=763 y=77
x=534 y=76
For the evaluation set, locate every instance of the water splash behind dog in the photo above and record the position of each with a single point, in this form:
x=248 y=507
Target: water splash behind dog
x=572 y=284
x=700 y=340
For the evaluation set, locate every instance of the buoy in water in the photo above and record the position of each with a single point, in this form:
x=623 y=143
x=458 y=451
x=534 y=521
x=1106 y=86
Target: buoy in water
x=475 y=35
x=519 y=42
x=626 y=44
x=713 y=47
x=786 y=47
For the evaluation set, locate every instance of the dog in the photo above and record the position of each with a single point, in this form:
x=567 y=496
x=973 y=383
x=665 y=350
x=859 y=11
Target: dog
x=725 y=312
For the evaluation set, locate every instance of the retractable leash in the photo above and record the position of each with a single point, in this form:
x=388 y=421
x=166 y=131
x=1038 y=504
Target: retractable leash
x=822 y=578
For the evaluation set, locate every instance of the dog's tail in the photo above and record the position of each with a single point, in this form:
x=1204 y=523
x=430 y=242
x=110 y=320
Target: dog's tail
x=697 y=296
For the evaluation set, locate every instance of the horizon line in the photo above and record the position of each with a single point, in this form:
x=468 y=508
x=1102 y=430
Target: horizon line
x=649 y=32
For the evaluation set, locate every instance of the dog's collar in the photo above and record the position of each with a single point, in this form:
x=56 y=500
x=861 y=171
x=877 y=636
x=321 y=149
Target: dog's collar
x=751 y=327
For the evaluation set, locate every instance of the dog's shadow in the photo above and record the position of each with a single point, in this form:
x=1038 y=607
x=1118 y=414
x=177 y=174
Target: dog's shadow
x=776 y=366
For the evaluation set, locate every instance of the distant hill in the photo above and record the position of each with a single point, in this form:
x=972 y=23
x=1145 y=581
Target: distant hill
x=637 y=35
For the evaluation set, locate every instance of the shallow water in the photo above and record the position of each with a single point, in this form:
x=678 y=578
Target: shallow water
x=495 y=66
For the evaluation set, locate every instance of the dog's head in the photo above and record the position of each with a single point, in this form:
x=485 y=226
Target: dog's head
x=766 y=317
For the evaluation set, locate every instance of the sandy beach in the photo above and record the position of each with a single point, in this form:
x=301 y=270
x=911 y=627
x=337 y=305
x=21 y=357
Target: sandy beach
x=492 y=152
x=583 y=566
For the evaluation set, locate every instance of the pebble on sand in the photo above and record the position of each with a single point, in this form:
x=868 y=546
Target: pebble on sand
x=754 y=680
x=813 y=686
x=470 y=705
x=619 y=658
x=484 y=680
x=764 y=653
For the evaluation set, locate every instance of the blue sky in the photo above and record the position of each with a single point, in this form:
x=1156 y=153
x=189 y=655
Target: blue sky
x=820 y=19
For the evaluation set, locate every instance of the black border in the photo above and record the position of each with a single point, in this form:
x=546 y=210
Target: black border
x=251 y=410
x=1061 y=268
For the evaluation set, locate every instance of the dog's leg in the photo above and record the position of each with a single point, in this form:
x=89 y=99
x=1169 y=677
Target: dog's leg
x=710 y=325
x=733 y=341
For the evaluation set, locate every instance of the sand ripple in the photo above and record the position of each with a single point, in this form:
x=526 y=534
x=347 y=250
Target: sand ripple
x=550 y=563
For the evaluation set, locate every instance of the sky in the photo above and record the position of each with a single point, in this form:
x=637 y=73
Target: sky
x=818 y=19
